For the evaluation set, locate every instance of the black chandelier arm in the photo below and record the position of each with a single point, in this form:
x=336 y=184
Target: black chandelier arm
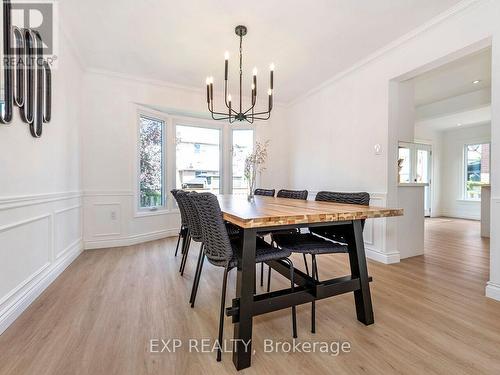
x=215 y=112
x=256 y=116
x=225 y=99
x=261 y=113
x=220 y=118
x=262 y=118
x=251 y=108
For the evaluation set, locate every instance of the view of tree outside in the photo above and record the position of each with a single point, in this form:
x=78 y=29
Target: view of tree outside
x=477 y=158
x=151 y=162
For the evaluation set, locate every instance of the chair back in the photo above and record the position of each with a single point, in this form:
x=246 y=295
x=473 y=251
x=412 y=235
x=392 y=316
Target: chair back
x=218 y=248
x=182 y=210
x=193 y=221
x=265 y=192
x=362 y=199
x=293 y=194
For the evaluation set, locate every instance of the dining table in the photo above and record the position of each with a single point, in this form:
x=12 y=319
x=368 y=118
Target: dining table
x=264 y=214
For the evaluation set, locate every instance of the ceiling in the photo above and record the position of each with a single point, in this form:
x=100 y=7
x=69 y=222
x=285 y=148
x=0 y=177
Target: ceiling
x=183 y=41
x=464 y=119
x=454 y=79
x=446 y=97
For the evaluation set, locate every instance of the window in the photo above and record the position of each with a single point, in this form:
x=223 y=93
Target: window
x=477 y=169
x=198 y=158
x=151 y=159
x=404 y=165
x=242 y=147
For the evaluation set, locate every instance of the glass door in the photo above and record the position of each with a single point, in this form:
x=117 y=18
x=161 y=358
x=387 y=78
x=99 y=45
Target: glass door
x=415 y=166
x=423 y=173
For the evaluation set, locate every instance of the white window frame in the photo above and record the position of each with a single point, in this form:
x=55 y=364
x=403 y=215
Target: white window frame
x=464 y=167
x=164 y=208
x=169 y=171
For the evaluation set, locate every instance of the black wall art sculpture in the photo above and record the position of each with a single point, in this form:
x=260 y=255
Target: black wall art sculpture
x=27 y=78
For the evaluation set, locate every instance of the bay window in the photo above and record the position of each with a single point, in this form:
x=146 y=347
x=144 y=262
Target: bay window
x=198 y=159
x=187 y=153
x=243 y=141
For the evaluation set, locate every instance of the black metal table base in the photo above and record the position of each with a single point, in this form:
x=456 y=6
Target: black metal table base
x=246 y=305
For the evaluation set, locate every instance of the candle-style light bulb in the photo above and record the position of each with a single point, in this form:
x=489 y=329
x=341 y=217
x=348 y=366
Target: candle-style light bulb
x=269 y=92
x=211 y=88
x=271 y=68
x=229 y=98
x=254 y=82
x=226 y=61
x=253 y=87
x=208 y=89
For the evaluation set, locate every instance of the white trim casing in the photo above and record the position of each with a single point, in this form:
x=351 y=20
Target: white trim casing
x=493 y=290
x=54 y=222
x=374 y=232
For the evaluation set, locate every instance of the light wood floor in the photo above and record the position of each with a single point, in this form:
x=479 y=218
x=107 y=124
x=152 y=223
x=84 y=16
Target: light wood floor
x=431 y=316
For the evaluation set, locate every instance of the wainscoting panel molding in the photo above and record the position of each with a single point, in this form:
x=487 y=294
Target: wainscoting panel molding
x=40 y=235
x=493 y=286
x=111 y=220
x=374 y=232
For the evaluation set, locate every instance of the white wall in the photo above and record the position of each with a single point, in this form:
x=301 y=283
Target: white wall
x=336 y=126
x=448 y=168
x=452 y=189
x=110 y=155
x=40 y=194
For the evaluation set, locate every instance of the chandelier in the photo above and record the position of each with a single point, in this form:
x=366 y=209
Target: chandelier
x=250 y=114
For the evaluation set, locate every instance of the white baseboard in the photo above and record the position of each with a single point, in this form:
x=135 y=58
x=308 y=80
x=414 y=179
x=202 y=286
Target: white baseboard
x=130 y=240
x=386 y=258
x=493 y=290
x=22 y=301
x=459 y=215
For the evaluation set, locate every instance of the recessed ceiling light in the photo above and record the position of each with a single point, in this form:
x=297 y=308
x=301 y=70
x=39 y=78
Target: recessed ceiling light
x=459 y=124
x=476 y=81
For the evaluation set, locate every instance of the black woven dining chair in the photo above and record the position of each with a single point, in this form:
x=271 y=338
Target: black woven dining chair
x=184 y=226
x=283 y=193
x=292 y=194
x=194 y=228
x=265 y=192
x=220 y=250
x=321 y=240
x=337 y=232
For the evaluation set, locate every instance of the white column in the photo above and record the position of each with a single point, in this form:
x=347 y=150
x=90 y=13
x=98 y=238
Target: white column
x=493 y=286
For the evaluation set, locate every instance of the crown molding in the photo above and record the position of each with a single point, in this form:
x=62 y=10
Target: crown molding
x=143 y=80
x=461 y=6
x=160 y=83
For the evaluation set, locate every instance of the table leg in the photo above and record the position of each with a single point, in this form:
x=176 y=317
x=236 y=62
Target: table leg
x=245 y=283
x=357 y=259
